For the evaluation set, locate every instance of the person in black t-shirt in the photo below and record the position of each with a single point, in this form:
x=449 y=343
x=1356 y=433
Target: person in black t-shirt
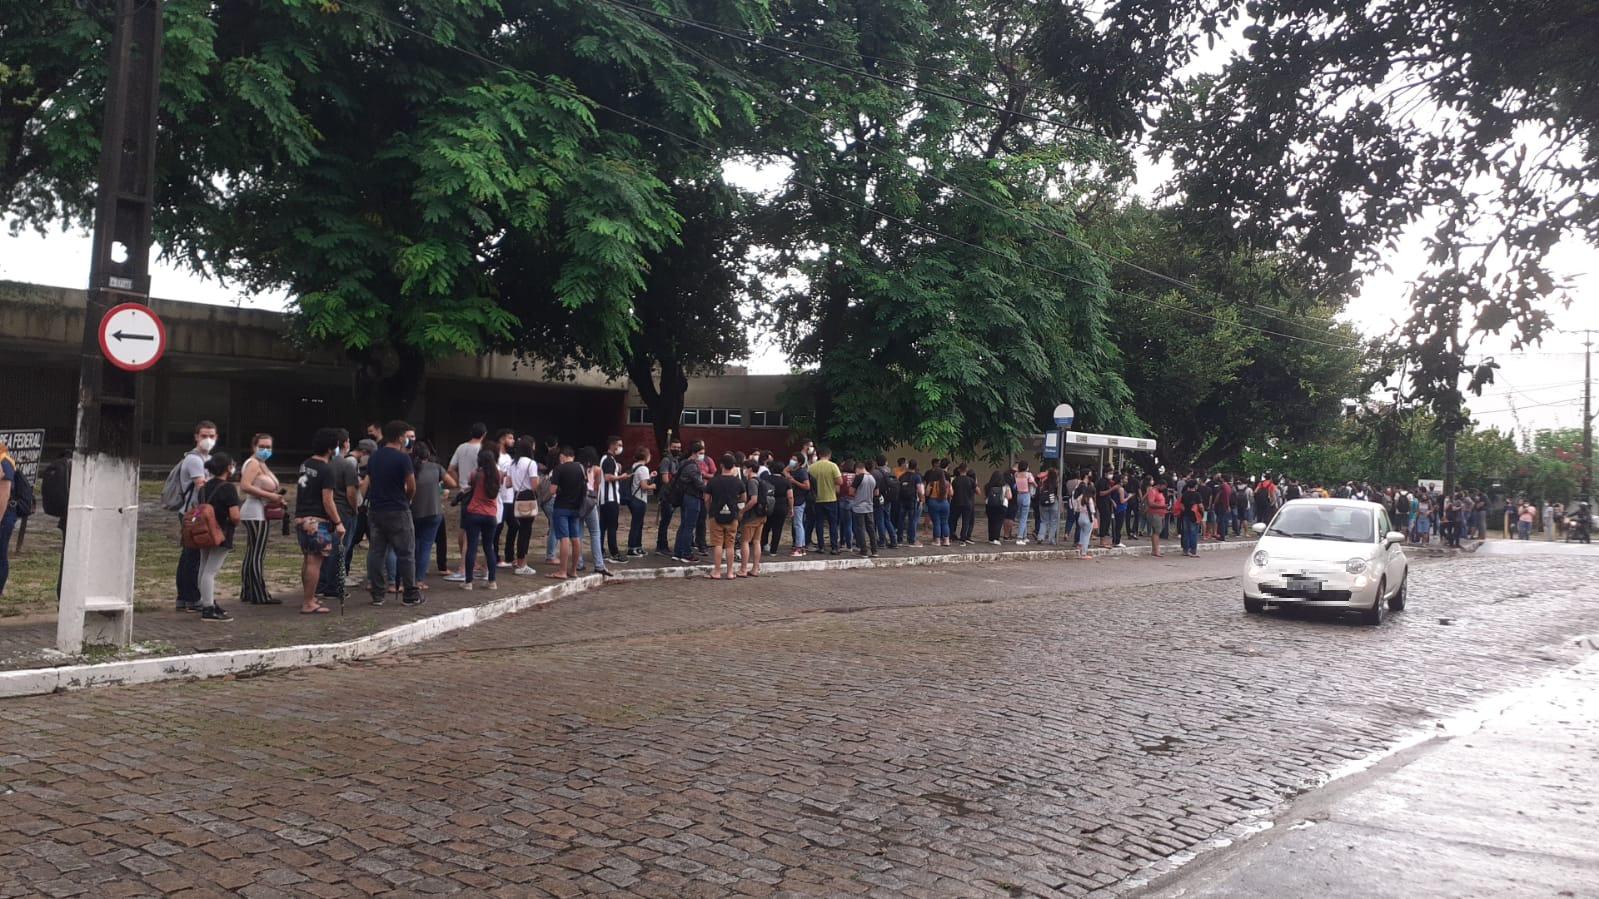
x=316 y=519
x=223 y=497
x=963 y=508
x=571 y=487
x=725 y=496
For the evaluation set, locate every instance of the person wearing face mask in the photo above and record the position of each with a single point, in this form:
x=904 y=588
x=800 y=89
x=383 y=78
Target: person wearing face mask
x=193 y=472
x=223 y=497
x=797 y=475
x=262 y=492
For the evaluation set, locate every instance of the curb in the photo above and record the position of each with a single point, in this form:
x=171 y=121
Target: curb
x=253 y=662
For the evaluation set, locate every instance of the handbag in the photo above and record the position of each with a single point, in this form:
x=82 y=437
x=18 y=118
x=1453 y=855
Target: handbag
x=200 y=528
x=526 y=506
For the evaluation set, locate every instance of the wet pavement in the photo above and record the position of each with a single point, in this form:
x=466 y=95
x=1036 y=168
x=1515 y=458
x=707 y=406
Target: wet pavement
x=1509 y=809
x=1010 y=729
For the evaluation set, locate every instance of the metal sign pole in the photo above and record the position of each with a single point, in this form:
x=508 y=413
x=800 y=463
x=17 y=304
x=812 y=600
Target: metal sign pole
x=102 y=529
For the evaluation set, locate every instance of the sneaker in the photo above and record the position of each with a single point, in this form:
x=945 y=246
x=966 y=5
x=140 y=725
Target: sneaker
x=680 y=560
x=377 y=599
x=1021 y=543
x=214 y=613
x=493 y=585
x=354 y=581
x=466 y=586
x=1121 y=546
x=618 y=559
x=506 y=565
x=455 y=577
x=524 y=571
x=995 y=542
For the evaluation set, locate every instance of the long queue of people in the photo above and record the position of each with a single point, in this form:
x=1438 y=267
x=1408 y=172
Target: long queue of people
x=393 y=491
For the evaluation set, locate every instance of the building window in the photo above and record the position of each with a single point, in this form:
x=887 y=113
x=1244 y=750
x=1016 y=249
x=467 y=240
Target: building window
x=764 y=418
x=723 y=418
x=640 y=415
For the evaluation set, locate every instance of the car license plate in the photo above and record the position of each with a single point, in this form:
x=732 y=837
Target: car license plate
x=1303 y=584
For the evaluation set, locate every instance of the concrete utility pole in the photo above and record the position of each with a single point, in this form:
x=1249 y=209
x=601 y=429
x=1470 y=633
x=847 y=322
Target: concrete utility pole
x=97 y=573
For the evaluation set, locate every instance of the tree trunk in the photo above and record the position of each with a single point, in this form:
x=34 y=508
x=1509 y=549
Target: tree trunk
x=665 y=401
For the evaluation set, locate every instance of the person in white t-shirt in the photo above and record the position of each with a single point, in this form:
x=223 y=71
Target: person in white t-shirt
x=638 y=502
x=504 y=439
x=462 y=463
x=523 y=474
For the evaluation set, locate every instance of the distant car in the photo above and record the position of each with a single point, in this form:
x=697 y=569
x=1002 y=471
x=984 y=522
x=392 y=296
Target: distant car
x=1328 y=553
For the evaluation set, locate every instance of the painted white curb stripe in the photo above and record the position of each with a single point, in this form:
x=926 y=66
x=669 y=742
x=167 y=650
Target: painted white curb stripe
x=251 y=662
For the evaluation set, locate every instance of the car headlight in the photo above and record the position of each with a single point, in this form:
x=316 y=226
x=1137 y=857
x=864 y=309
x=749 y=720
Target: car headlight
x=1355 y=566
x=1260 y=558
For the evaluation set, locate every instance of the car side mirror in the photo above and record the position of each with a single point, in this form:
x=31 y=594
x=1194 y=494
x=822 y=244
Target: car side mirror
x=1394 y=537
x=1258 y=527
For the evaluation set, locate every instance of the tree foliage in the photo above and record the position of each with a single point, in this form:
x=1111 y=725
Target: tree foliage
x=375 y=157
x=1338 y=127
x=1215 y=367
x=937 y=307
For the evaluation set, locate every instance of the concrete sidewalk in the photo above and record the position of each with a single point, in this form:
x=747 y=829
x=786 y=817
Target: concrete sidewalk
x=1510 y=809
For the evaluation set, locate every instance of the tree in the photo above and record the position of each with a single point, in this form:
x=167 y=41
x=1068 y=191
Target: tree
x=948 y=297
x=1233 y=360
x=376 y=158
x=1340 y=126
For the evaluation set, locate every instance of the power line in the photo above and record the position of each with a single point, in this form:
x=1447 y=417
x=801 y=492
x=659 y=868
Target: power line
x=984 y=201
x=554 y=85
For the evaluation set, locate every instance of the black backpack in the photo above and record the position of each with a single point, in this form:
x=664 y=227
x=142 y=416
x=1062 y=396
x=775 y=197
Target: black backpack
x=55 y=484
x=907 y=488
x=885 y=486
x=21 y=492
x=996 y=495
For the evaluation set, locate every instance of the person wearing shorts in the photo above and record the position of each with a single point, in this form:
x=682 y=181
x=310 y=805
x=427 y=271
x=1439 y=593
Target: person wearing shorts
x=725 y=495
x=566 y=519
x=316 y=518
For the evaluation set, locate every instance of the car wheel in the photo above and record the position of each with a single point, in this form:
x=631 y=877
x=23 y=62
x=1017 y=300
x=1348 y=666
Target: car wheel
x=1396 y=603
x=1254 y=606
x=1373 y=615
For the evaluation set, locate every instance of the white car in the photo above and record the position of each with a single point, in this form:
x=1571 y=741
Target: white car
x=1328 y=553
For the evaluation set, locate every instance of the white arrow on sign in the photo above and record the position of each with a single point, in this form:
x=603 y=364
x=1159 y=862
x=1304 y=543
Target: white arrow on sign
x=132 y=337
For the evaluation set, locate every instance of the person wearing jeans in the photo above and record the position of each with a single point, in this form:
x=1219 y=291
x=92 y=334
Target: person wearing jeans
x=192 y=472
x=687 y=522
x=939 y=510
x=799 y=529
x=391 y=484
x=638 y=500
x=1026 y=485
x=481 y=513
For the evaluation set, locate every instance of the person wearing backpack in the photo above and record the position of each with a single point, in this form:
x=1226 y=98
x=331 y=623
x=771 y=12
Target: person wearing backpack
x=725 y=495
x=996 y=496
x=759 y=500
x=888 y=505
x=910 y=504
x=863 y=507
x=665 y=474
x=180 y=494
x=640 y=485
x=222 y=496
x=782 y=502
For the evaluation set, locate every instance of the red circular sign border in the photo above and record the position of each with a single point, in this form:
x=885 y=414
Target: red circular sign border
x=160 y=326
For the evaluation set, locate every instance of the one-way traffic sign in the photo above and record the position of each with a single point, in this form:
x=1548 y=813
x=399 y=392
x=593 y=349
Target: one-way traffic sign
x=132 y=337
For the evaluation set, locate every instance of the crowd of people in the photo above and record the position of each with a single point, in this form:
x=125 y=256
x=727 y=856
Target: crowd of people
x=393 y=491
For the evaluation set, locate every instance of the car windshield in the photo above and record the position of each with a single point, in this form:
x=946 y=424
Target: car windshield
x=1312 y=521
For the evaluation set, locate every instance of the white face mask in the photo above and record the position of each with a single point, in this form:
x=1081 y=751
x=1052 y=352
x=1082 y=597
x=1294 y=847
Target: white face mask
x=206 y=444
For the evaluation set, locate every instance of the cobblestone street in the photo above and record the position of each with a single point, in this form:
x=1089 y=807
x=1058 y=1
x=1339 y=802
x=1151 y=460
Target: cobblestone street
x=1015 y=729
